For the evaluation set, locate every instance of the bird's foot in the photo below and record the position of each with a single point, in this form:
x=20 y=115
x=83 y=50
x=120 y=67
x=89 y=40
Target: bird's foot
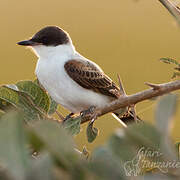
x=89 y=114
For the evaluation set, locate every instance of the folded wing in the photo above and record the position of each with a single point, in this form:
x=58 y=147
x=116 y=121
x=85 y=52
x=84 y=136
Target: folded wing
x=90 y=77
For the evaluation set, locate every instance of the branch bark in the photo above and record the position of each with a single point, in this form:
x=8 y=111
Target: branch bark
x=172 y=8
x=156 y=89
x=124 y=101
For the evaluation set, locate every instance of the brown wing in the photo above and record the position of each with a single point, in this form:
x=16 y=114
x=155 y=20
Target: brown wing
x=89 y=76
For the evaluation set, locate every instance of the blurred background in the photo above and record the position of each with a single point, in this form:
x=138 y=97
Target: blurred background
x=122 y=36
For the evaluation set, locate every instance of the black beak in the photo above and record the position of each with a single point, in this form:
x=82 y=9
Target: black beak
x=28 y=43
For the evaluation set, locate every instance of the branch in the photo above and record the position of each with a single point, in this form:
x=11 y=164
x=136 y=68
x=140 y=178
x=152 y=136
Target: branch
x=172 y=8
x=124 y=101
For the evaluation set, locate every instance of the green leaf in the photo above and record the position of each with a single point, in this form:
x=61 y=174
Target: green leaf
x=39 y=96
x=41 y=168
x=31 y=113
x=21 y=101
x=158 y=176
x=9 y=95
x=6 y=106
x=72 y=125
x=164 y=113
x=53 y=106
x=56 y=140
x=118 y=145
x=91 y=132
x=36 y=81
x=13 y=154
x=169 y=61
x=105 y=165
x=143 y=135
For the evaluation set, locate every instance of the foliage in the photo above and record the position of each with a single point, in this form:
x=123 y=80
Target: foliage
x=176 y=72
x=44 y=149
x=27 y=97
x=91 y=132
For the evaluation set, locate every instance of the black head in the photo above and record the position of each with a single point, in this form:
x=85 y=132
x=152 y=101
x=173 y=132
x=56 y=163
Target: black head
x=48 y=36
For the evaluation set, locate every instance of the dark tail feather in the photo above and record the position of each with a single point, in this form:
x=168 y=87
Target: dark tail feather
x=126 y=118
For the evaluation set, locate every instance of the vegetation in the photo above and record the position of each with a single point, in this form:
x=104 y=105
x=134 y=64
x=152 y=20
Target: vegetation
x=34 y=145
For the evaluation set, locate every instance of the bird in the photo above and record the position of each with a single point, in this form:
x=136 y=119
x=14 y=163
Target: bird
x=72 y=80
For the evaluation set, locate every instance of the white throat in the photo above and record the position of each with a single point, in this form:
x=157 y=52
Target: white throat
x=48 y=52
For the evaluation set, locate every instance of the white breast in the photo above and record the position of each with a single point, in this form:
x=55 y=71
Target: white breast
x=51 y=74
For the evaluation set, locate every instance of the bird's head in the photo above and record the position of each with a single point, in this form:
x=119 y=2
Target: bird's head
x=46 y=39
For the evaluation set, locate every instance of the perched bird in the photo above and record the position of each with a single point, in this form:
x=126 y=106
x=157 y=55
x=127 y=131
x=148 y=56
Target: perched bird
x=71 y=80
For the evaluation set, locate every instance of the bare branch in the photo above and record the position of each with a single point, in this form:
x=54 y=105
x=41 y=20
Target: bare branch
x=154 y=86
x=125 y=101
x=121 y=87
x=172 y=8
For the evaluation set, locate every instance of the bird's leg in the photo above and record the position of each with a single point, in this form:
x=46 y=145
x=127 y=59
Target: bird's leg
x=68 y=116
x=89 y=114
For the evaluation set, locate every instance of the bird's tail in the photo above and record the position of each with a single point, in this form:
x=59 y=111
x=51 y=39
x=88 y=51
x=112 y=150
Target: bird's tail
x=125 y=117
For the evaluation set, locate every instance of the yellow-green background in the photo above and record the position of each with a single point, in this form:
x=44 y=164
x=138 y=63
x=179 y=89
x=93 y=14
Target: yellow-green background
x=122 y=36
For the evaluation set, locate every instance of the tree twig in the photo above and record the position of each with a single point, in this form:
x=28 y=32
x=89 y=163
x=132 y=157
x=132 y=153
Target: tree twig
x=128 y=100
x=172 y=8
x=154 y=86
x=121 y=87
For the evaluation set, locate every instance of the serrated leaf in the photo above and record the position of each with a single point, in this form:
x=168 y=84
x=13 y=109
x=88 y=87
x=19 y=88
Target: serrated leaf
x=53 y=106
x=169 y=61
x=13 y=152
x=91 y=132
x=73 y=125
x=164 y=112
x=39 y=96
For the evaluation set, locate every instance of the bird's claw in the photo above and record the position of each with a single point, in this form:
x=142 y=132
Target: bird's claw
x=89 y=114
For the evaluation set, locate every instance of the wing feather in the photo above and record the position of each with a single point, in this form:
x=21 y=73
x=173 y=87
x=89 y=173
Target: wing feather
x=89 y=76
